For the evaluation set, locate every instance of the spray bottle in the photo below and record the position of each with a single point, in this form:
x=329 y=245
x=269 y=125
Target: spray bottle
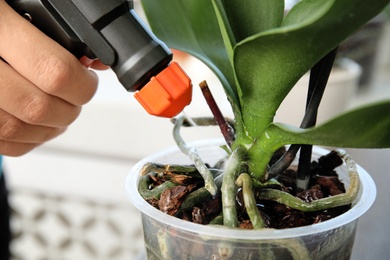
x=111 y=31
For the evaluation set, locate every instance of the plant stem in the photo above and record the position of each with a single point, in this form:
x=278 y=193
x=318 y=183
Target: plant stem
x=284 y=162
x=226 y=129
x=218 y=220
x=146 y=193
x=244 y=181
x=325 y=203
x=159 y=168
x=194 y=198
x=199 y=196
x=176 y=169
x=195 y=158
x=303 y=172
x=229 y=189
x=319 y=76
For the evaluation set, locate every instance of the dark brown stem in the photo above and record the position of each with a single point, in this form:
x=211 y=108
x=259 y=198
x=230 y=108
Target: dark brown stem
x=284 y=162
x=226 y=129
x=319 y=76
x=303 y=173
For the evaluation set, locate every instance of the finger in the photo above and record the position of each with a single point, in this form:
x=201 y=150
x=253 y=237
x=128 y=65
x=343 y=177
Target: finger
x=43 y=61
x=93 y=64
x=15 y=149
x=22 y=99
x=15 y=130
x=98 y=65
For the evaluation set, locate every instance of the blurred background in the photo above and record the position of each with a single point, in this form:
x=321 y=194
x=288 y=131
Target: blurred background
x=68 y=198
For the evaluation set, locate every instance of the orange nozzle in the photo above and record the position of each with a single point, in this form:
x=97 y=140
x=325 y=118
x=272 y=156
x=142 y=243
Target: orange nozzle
x=167 y=93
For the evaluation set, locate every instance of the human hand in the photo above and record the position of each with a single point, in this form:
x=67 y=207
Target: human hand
x=42 y=85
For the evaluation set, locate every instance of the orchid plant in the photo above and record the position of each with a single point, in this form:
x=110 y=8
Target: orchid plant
x=259 y=52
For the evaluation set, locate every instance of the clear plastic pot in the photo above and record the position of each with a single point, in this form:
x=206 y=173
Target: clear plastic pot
x=168 y=237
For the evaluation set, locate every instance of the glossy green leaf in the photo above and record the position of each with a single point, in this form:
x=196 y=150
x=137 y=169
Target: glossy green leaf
x=365 y=127
x=269 y=64
x=249 y=17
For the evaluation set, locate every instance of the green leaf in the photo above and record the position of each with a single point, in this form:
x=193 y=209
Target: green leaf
x=269 y=64
x=250 y=17
x=239 y=19
x=365 y=127
x=225 y=28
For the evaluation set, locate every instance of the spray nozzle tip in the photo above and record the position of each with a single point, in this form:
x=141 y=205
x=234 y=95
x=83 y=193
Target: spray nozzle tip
x=167 y=93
